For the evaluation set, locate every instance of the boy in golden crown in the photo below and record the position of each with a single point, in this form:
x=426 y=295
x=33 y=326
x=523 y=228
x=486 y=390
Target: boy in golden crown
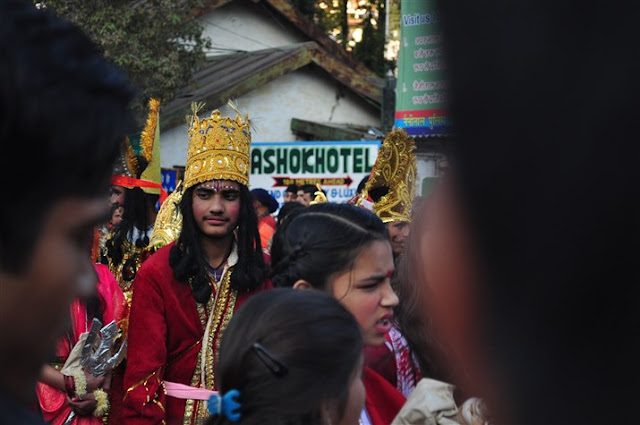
x=187 y=291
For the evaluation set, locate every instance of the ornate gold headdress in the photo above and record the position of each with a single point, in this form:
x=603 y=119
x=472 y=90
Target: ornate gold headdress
x=139 y=164
x=218 y=148
x=140 y=152
x=320 y=198
x=168 y=224
x=395 y=168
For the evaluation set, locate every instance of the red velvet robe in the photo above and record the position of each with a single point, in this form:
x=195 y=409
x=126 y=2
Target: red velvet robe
x=165 y=339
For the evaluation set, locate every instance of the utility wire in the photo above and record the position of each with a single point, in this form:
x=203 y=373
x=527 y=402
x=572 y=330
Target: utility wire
x=238 y=34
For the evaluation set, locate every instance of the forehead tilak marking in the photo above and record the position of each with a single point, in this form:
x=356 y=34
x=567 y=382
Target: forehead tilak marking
x=218 y=185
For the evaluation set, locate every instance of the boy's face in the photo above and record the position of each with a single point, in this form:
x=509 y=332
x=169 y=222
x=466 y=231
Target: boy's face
x=304 y=198
x=117 y=195
x=34 y=304
x=216 y=207
x=290 y=196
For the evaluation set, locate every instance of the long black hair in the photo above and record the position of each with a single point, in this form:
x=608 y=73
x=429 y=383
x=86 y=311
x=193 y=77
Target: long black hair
x=137 y=204
x=291 y=354
x=187 y=256
x=320 y=241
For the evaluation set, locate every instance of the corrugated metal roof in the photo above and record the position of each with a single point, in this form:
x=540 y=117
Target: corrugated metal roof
x=230 y=76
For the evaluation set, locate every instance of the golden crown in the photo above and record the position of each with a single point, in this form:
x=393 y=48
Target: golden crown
x=395 y=168
x=218 y=148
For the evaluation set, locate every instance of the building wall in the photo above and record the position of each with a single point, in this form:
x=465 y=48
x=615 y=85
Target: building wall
x=308 y=93
x=428 y=170
x=242 y=25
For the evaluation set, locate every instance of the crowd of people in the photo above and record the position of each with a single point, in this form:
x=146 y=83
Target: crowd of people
x=499 y=298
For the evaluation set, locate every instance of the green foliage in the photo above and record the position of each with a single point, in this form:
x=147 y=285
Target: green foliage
x=370 y=50
x=334 y=17
x=158 y=43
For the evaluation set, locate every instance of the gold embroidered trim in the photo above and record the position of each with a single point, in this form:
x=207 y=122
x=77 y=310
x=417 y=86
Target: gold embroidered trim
x=129 y=251
x=143 y=382
x=156 y=402
x=223 y=311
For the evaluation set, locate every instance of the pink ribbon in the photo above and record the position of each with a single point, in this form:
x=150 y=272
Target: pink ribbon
x=186 y=392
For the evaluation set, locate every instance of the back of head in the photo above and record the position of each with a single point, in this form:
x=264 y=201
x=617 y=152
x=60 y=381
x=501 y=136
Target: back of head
x=64 y=108
x=320 y=241
x=290 y=354
x=292 y=188
x=286 y=209
x=552 y=204
x=308 y=188
x=265 y=198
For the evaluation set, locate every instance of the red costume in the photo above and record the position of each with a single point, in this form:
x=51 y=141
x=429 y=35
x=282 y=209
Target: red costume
x=395 y=362
x=166 y=332
x=53 y=403
x=383 y=401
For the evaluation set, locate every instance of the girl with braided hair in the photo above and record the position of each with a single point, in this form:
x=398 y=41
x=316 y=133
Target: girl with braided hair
x=344 y=250
x=291 y=357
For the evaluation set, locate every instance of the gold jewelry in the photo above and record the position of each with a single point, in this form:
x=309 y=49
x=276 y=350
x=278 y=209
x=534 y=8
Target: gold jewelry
x=395 y=168
x=218 y=148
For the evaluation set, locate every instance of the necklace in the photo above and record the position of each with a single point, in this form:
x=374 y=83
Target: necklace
x=217 y=272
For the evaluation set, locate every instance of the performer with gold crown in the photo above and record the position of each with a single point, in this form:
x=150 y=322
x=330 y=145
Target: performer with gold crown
x=390 y=190
x=389 y=193
x=187 y=291
x=138 y=176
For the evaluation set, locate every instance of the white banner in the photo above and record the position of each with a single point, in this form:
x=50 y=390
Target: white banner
x=337 y=166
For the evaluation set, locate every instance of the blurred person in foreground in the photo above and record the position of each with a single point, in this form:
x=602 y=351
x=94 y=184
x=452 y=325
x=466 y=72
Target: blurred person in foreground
x=533 y=269
x=291 y=357
x=68 y=392
x=71 y=108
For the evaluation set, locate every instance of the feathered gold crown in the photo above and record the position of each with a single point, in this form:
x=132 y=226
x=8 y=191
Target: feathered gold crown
x=218 y=148
x=140 y=152
x=395 y=168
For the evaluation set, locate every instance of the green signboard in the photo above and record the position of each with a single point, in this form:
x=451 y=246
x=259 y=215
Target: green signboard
x=421 y=91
